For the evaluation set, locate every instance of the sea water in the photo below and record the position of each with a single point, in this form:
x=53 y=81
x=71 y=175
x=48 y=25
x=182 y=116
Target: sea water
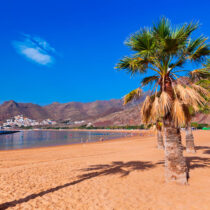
x=40 y=138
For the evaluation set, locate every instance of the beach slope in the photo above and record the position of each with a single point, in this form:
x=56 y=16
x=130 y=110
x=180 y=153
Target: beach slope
x=118 y=174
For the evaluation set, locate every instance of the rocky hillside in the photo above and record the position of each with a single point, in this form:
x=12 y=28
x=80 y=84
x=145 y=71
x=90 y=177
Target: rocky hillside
x=128 y=116
x=72 y=111
x=11 y=108
x=83 y=111
x=99 y=113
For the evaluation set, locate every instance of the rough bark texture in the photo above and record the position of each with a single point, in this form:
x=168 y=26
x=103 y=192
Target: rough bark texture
x=175 y=164
x=160 y=143
x=190 y=146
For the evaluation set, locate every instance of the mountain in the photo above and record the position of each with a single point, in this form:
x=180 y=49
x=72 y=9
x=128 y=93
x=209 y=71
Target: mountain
x=99 y=113
x=75 y=111
x=201 y=118
x=66 y=112
x=11 y=108
x=72 y=111
x=127 y=116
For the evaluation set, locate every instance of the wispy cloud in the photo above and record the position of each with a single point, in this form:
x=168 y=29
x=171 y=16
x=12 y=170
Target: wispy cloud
x=35 y=49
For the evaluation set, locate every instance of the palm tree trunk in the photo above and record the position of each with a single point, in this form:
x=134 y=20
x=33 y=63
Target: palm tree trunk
x=160 y=140
x=175 y=164
x=190 y=146
x=160 y=144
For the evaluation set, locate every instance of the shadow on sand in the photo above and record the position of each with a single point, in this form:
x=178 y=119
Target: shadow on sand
x=121 y=168
x=115 y=168
x=206 y=150
x=193 y=162
x=202 y=147
x=197 y=162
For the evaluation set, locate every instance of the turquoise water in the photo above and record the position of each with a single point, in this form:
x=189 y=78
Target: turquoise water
x=31 y=139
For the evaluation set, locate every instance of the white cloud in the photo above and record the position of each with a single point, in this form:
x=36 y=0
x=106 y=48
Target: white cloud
x=37 y=56
x=35 y=49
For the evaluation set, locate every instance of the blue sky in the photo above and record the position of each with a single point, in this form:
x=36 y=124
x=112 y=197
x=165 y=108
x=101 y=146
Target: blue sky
x=66 y=50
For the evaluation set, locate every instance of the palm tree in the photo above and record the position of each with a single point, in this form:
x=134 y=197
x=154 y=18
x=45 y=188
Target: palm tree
x=163 y=50
x=200 y=77
x=196 y=76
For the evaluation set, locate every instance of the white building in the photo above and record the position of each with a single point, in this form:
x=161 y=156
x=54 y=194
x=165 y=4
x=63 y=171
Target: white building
x=20 y=121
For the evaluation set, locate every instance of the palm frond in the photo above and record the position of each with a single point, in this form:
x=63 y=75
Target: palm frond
x=165 y=103
x=178 y=63
x=204 y=83
x=183 y=32
x=155 y=109
x=207 y=64
x=199 y=89
x=149 y=80
x=198 y=49
x=180 y=113
x=185 y=98
x=194 y=96
x=146 y=110
x=198 y=74
x=133 y=95
x=190 y=96
x=133 y=65
x=142 y=42
x=173 y=40
x=162 y=29
x=205 y=109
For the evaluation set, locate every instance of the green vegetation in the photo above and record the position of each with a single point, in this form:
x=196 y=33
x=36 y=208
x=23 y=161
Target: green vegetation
x=127 y=127
x=199 y=126
x=26 y=127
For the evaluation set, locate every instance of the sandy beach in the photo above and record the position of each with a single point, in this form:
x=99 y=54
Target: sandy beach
x=121 y=174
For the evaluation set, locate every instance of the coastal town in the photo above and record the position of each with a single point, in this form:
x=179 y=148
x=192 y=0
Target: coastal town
x=21 y=121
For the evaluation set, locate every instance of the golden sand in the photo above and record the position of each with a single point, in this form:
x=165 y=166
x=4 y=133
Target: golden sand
x=119 y=174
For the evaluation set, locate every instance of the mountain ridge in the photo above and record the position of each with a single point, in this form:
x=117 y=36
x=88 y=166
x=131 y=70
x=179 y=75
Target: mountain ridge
x=60 y=111
x=99 y=113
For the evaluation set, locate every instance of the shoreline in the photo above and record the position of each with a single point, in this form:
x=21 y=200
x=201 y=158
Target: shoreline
x=92 y=130
x=83 y=143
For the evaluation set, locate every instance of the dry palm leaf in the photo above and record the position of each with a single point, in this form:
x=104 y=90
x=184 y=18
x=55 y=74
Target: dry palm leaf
x=165 y=103
x=194 y=97
x=182 y=93
x=181 y=90
x=155 y=110
x=200 y=89
x=178 y=113
x=190 y=96
x=146 y=109
x=133 y=95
